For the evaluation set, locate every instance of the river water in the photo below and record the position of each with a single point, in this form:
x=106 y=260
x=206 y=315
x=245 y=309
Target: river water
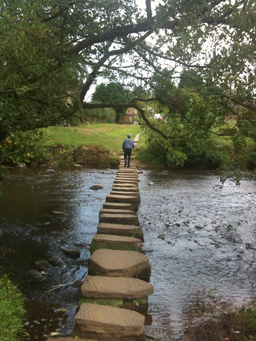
x=199 y=238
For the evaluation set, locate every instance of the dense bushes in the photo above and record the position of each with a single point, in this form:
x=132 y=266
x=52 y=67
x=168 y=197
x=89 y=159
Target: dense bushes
x=192 y=150
x=23 y=147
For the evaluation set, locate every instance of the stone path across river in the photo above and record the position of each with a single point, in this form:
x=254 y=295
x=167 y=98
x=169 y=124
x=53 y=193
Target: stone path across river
x=116 y=290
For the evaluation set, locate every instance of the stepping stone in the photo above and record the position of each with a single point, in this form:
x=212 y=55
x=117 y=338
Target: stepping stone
x=123 y=189
x=121 y=172
x=123 y=181
x=110 y=323
x=115 y=205
x=121 y=166
x=113 y=211
x=125 y=185
x=128 y=170
x=121 y=230
x=115 y=263
x=124 y=219
x=127 y=293
x=127 y=178
x=67 y=339
x=106 y=241
x=126 y=175
x=134 y=200
x=115 y=287
x=125 y=193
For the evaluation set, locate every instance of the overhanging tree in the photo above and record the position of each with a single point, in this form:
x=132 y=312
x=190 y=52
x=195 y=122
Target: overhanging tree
x=52 y=52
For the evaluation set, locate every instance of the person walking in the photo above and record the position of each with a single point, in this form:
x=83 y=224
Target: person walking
x=127 y=146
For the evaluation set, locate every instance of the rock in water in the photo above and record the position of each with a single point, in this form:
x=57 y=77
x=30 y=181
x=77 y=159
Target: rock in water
x=59 y=213
x=96 y=187
x=50 y=171
x=33 y=276
x=42 y=265
x=71 y=253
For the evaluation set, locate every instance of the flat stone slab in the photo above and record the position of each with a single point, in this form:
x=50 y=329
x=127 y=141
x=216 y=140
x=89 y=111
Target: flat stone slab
x=125 y=181
x=115 y=211
x=125 y=185
x=115 y=263
x=123 y=198
x=130 y=170
x=123 y=189
x=105 y=241
x=125 y=193
x=127 y=175
x=102 y=320
x=68 y=339
x=131 y=219
x=115 y=287
x=116 y=205
x=121 y=230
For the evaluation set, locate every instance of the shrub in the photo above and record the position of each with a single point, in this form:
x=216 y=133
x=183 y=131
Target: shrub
x=24 y=147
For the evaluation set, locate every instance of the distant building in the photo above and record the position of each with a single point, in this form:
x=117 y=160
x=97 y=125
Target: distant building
x=130 y=116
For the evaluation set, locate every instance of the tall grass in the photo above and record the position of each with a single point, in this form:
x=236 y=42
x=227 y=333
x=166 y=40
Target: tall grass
x=11 y=311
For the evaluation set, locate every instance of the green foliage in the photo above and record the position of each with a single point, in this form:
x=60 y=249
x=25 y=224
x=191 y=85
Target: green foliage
x=51 y=53
x=34 y=88
x=102 y=115
x=24 y=147
x=189 y=151
x=111 y=93
x=11 y=311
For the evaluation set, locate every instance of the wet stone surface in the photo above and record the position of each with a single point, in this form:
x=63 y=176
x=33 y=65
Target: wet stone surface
x=199 y=238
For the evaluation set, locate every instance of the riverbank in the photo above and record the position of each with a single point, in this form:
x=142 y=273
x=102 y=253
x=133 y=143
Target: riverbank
x=90 y=145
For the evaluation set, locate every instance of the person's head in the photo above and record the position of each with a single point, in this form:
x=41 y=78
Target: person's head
x=129 y=136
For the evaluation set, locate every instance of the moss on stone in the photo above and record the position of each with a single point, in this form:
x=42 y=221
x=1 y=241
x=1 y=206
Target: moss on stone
x=140 y=301
x=113 y=302
x=96 y=246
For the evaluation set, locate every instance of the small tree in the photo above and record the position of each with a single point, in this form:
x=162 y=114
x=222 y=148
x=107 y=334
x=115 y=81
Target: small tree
x=112 y=92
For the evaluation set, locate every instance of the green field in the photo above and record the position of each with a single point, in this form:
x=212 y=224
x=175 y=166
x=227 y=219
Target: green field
x=110 y=136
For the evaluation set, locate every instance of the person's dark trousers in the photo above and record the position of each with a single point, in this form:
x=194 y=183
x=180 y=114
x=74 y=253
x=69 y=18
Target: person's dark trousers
x=127 y=154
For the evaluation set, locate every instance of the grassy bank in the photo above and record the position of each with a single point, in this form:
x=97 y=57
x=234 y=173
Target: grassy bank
x=58 y=145
x=109 y=136
x=11 y=311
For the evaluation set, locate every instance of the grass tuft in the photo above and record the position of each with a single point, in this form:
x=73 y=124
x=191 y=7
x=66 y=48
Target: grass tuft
x=11 y=311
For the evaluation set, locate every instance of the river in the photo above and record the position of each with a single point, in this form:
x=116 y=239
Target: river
x=199 y=238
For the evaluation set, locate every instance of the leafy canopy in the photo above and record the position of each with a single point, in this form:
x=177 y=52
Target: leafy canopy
x=51 y=53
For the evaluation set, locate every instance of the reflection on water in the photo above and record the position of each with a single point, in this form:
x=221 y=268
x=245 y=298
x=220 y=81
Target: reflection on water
x=198 y=236
x=32 y=232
